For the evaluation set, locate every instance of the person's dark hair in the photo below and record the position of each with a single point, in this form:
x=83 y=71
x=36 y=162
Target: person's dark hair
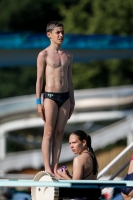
x=83 y=136
x=53 y=24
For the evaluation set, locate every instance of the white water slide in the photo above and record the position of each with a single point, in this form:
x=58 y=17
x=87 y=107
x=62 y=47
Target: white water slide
x=100 y=139
x=110 y=98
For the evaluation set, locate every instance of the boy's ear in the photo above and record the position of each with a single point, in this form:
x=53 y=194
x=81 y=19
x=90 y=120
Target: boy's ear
x=48 y=34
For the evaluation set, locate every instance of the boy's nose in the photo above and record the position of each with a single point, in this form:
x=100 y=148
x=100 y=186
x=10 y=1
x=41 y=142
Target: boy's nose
x=71 y=146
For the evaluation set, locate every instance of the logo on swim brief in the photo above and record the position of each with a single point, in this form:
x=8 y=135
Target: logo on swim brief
x=50 y=95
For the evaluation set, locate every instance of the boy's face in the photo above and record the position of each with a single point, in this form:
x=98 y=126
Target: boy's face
x=56 y=35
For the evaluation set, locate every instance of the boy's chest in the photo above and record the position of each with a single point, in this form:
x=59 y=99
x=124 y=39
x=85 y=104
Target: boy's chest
x=55 y=60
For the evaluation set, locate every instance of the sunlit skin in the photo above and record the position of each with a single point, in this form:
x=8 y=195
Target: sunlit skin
x=82 y=164
x=56 y=36
x=55 y=65
x=77 y=146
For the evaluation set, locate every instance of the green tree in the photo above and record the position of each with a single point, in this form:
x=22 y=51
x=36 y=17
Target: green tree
x=21 y=81
x=76 y=17
x=104 y=73
x=30 y=15
x=27 y=15
x=112 y=17
x=17 y=81
x=99 y=17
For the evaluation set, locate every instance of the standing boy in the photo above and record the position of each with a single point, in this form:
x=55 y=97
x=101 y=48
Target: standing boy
x=54 y=64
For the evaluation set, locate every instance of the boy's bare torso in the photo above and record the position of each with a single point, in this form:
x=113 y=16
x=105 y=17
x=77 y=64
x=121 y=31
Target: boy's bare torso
x=56 y=70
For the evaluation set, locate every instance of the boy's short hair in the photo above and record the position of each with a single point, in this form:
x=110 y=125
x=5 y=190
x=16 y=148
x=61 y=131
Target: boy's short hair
x=52 y=25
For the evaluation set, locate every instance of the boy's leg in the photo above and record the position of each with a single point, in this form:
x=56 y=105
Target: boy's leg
x=62 y=118
x=51 y=113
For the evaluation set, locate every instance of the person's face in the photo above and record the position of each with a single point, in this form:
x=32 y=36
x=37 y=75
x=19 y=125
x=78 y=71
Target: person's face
x=56 y=35
x=76 y=145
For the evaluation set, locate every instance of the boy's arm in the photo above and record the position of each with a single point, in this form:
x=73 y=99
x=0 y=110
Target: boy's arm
x=71 y=88
x=41 y=64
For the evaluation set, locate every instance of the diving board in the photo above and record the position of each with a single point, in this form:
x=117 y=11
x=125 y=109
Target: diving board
x=46 y=186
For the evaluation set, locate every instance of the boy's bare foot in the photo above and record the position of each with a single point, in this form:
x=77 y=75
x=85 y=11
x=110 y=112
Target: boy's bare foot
x=57 y=176
x=50 y=172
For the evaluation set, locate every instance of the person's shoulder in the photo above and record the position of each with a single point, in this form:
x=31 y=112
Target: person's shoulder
x=78 y=161
x=77 y=158
x=43 y=53
x=69 y=54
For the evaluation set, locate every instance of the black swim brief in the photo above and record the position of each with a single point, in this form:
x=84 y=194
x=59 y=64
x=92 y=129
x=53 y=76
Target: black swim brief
x=59 y=98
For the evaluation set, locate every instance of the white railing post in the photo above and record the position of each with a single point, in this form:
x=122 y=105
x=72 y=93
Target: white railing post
x=129 y=138
x=2 y=145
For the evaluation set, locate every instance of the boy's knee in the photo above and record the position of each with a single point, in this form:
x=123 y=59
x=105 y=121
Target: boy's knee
x=48 y=135
x=59 y=133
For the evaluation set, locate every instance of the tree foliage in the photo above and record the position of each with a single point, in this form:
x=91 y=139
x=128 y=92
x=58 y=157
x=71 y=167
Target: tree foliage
x=76 y=18
x=103 y=73
x=17 y=81
x=21 y=81
x=27 y=15
x=112 y=17
x=99 y=17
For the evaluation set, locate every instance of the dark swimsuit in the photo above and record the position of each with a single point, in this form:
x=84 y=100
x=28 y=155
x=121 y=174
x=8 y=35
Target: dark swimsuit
x=87 y=175
x=92 y=170
x=59 y=98
x=93 y=193
x=127 y=190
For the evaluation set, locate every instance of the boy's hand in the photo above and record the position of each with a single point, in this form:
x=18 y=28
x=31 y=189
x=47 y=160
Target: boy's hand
x=41 y=111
